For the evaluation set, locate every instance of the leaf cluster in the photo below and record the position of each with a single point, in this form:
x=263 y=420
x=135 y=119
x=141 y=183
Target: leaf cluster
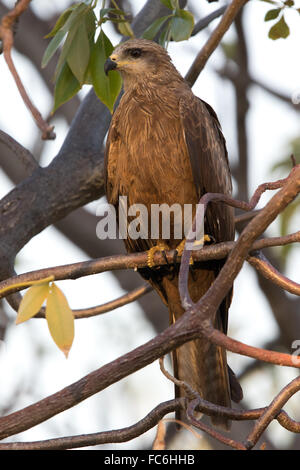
x=177 y=26
x=82 y=55
x=280 y=28
x=59 y=316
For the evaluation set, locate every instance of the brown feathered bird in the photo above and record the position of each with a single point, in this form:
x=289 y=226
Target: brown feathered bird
x=165 y=146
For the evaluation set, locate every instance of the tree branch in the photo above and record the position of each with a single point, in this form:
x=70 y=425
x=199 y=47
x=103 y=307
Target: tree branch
x=42 y=199
x=6 y=35
x=118 y=435
x=264 y=267
x=204 y=22
x=195 y=322
x=23 y=155
x=135 y=261
x=214 y=40
x=272 y=411
x=290 y=189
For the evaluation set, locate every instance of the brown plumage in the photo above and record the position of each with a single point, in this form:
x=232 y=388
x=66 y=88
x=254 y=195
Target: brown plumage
x=165 y=145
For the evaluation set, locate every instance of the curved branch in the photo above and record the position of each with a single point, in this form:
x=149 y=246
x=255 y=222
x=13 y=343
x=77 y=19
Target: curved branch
x=188 y=327
x=6 y=34
x=118 y=435
x=211 y=432
x=114 y=304
x=290 y=187
x=24 y=156
x=125 y=299
x=214 y=40
x=272 y=411
x=74 y=177
x=264 y=267
x=204 y=22
x=131 y=261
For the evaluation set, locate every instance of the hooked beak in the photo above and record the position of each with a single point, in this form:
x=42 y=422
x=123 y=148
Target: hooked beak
x=109 y=65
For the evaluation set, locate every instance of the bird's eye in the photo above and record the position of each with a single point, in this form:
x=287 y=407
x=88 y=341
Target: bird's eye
x=135 y=53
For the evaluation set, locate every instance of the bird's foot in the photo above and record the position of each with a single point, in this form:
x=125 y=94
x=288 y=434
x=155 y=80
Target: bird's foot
x=179 y=250
x=205 y=238
x=161 y=246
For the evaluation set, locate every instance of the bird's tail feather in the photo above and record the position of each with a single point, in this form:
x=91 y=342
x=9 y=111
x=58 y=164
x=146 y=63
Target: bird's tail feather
x=203 y=366
x=200 y=363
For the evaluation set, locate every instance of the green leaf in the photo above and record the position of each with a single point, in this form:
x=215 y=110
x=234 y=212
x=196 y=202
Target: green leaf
x=107 y=88
x=182 y=25
x=279 y=30
x=60 y=319
x=32 y=302
x=90 y=21
x=272 y=14
x=61 y=21
x=168 y=3
x=154 y=28
x=114 y=11
x=79 y=52
x=125 y=29
x=289 y=3
x=52 y=47
x=165 y=35
x=77 y=17
x=66 y=86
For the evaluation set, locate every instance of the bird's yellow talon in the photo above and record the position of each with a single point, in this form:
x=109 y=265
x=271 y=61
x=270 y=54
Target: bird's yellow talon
x=153 y=250
x=180 y=247
x=205 y=238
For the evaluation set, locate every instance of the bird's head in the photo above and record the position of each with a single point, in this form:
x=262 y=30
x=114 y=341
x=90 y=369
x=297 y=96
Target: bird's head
x=139 y=60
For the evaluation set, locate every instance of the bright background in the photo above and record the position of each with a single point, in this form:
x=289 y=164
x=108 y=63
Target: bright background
x=29 y=359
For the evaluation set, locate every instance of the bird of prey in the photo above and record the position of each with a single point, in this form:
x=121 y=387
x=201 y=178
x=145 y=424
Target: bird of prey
x=165 y=146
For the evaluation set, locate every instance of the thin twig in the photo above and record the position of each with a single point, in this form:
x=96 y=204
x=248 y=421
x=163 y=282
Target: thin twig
x=195 y=323
x=186 y=328
x=241 y=218
x=230 y=73
x=214 y=40
x=108 y=306
x=7 y=37
x=204 y=22
x=210 y=431
x=117 y=435
x=160 y=438
x=25 y=156
x=114 y=304
x=243 y=242
x=264 y=267
x=130 y=261
x=272 y=411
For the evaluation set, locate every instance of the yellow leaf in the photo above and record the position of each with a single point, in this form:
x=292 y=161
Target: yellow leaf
x=32 y=302
x=60 y=319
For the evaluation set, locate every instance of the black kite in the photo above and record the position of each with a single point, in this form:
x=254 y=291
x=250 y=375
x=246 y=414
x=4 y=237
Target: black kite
x=165 y=145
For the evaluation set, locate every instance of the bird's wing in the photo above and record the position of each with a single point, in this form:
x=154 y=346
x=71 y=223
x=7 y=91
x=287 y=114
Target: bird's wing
x=111 y=158
x=209 y=161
